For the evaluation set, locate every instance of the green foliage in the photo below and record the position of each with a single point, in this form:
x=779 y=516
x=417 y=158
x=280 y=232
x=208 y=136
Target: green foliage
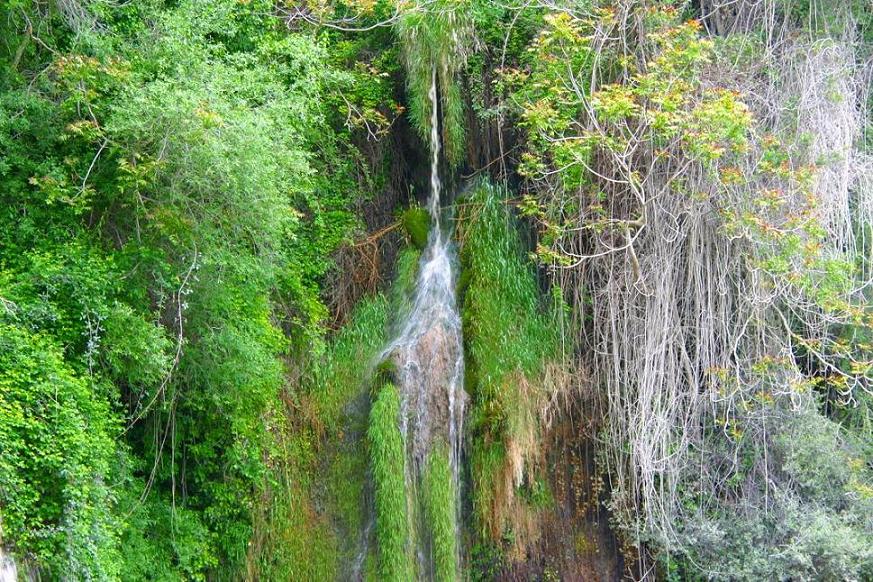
x=503 y=33
x=163 y=542
x=172 y=189
x=548 y=106
x=434 y=39
x=312 y=520
x=56 y=459
x=174 y=179
x=509 y=339
x=818 y=528
x=440 y=513
x=388 y=458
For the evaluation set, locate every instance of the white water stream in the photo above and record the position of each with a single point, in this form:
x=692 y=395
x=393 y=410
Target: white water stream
x=428 y=352
x=8 y=568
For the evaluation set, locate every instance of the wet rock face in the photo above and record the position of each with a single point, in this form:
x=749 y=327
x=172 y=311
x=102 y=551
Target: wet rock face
x=430 y=375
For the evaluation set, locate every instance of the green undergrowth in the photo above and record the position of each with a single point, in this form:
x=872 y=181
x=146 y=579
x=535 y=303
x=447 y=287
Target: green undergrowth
x=174 y=181
x=510 y=336
x=57 y=450
x=820 y=524
x=439 y=510
x=314 y=514
x=388 y=458
x=317 y=511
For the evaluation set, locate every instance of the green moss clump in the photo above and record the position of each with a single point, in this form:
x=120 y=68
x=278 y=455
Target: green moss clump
x=385 y=372
x=439 y=506
x=416 y=223
x=388 y=462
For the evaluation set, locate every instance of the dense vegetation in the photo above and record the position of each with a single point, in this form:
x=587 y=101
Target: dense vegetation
x=211 y=225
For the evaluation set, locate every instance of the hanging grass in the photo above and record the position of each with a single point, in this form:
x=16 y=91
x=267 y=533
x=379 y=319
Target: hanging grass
x=512 y=343
x=435 y=37
x=440 y=511
x=387 y=457
x=318 y=508
x=308 y=524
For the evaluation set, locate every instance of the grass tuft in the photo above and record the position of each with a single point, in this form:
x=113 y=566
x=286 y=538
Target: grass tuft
x=387 y=456
x=434 y=36
x=440 y=511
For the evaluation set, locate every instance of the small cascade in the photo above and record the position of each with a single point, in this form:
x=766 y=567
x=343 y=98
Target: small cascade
x=8 y=567
x=429 y=361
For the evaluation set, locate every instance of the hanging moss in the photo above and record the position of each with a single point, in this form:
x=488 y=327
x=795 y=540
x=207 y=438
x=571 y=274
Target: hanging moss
x=388 y=462
x=440 y=510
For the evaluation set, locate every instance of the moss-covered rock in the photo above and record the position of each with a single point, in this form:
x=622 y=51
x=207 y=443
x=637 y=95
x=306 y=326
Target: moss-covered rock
x=416 y=223
x=386 y=371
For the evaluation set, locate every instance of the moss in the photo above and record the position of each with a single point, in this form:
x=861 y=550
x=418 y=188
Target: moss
x=339 y=376
x=403 y=288
x=387 y=457
x=487 y=457
x=538 y=494
x=416 y=223
x=342 y=392
x=463 y=283
x=440 y=510
x=386 y=371
x=292 y=542
x=308 y=525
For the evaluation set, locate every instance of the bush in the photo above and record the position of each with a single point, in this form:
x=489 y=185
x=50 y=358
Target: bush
x=813 y=523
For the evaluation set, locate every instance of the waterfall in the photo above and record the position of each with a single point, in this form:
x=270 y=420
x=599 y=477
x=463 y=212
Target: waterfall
x=428 y=355
x=8 y=568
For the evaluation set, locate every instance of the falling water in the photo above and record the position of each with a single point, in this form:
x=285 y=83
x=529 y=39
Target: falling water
x=8 y=568
x=427 y=351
